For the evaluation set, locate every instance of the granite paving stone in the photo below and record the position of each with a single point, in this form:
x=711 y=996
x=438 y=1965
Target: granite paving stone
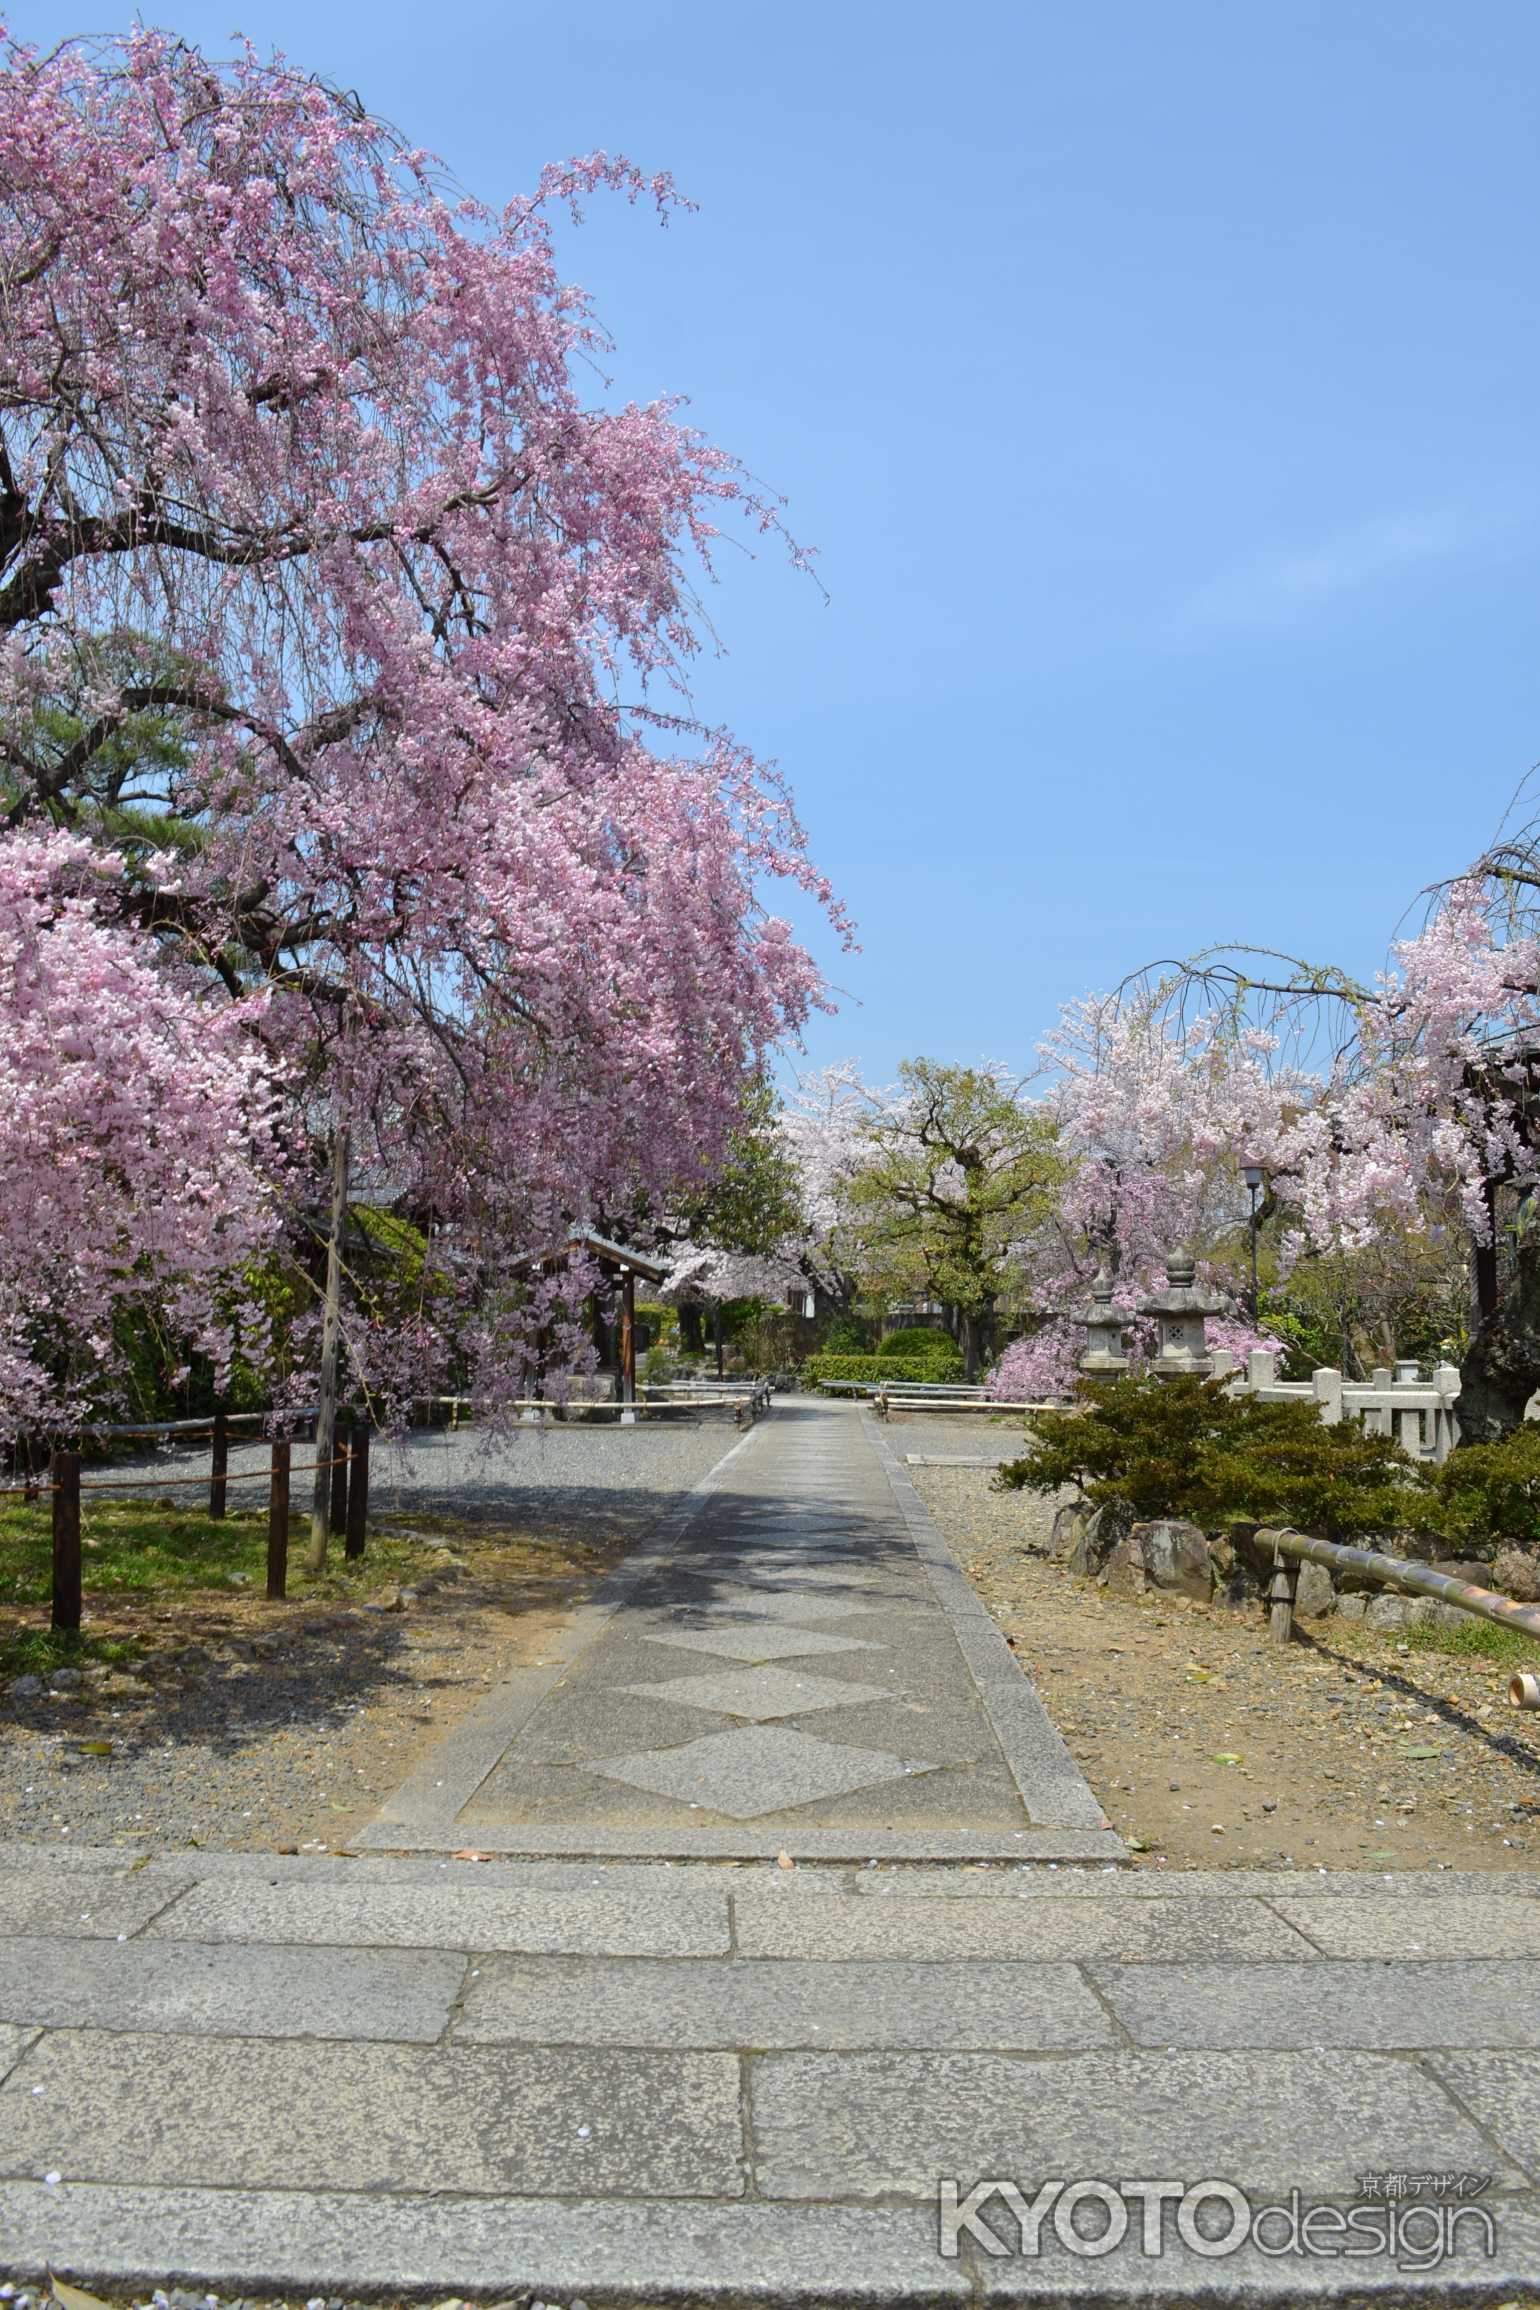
x=668 y=1921
x=754 y=1769
x=1502 y=2092
x=843 y=1925
x=767 y=1640
x=83 y=1903
x=637 y=2251
x=877 y=2125
x=1335 y=2002
x=229 y=1991
x=753 y=2003
x=13 y=2044
x=179 y=2110
x=1494 y=1924
x=761 y=1693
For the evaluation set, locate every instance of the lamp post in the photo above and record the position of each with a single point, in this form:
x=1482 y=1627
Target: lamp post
x=1254 y=1176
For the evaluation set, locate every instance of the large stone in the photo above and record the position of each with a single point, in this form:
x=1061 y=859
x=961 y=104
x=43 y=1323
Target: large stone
x=1124 y=1571
x=1098 y=1536
x=1314 y=1595
x=1237 y=1587
x=1429 y=1612
x=1170 y=1555
x=1516 y=1571
x=1474 y=1569
x=1387 y=1610
x=1176 y=1557
x=1069 y=1523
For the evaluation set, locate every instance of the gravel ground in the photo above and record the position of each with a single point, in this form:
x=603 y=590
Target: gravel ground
x=598 y=1470
x=251 y=1725
x=1214 y=1748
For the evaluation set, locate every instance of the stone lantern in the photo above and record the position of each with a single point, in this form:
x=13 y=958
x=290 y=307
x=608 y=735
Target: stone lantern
x=1103 y=1358
x=1179 y=1313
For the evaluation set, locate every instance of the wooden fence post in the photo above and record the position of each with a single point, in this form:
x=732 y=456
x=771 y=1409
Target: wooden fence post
x=65 y=1476
x=220 y=1464
x=341 y=1445
x=278 y=1523
x=1280 y=1596
x=358 y=1488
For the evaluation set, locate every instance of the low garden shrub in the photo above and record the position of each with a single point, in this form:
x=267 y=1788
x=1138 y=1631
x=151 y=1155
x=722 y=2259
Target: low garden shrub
x=930 y=1346
x=1187 y=1448
x=819 y=1369
x=1489 y=1493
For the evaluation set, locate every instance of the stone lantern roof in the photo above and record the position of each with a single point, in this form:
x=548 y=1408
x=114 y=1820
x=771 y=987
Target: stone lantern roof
x=1179 y=1313
x=1182 y=1295
x=1104 y=1331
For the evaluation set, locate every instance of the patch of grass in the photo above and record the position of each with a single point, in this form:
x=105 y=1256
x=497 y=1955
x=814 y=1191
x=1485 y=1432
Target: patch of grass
x=134 y=1549
x=38 y=1651
x=1480 y=1639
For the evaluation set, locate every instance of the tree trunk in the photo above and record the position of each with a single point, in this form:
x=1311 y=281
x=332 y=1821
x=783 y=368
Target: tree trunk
x=331 y=1334
x=1501 y=1370
x=977 y=1327
x=692 y=1328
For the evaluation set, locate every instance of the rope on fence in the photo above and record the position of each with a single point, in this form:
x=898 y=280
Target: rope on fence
x=168 y=1483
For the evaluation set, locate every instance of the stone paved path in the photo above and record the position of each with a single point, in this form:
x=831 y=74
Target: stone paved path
x=714 y=2081
x=794 y=1663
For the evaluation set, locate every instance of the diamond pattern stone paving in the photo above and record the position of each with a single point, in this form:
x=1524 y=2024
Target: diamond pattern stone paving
x=754 y=1769
x=760 y=1692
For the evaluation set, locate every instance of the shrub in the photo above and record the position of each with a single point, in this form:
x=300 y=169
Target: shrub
x=846 y=1336
x=1491 y=1492
x=1186 y=1447
x=921 y=1340
x=875 y=1369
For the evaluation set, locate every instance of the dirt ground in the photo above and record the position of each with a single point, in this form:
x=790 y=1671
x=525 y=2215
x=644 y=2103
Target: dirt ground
x=1210 y=1747
x=240 y=1724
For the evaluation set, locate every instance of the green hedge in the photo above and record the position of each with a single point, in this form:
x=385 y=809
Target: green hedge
x=924 y=1341
x=819 y=1369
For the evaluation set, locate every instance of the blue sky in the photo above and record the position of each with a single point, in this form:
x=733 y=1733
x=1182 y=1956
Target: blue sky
x=1157 y=384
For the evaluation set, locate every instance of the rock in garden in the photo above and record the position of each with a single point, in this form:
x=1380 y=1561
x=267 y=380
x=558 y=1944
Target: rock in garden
x=1429 y=1612
x=25 y=1687
x=1176 y=1558
x=1236 y=1586
x=1385 y=1611
x=1516 y=1571
x=1124 y=1571
x=1470 y=1568
x=64 y=1680
x=1069 y=1525
x=1314 y=1595
x=1098 y=1536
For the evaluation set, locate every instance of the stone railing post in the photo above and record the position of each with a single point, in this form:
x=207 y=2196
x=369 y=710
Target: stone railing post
x=1327 y=1384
